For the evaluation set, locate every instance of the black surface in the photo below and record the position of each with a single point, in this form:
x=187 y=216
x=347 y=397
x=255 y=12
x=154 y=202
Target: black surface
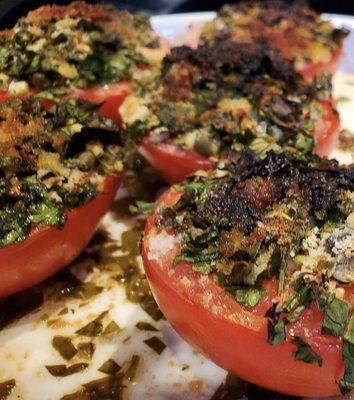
x=10 y=10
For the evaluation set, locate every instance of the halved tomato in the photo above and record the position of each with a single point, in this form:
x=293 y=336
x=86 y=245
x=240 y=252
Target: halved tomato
x=310 y=70
x=174 y=163
x=46 y=250
x=233 y=336
x=171 y=161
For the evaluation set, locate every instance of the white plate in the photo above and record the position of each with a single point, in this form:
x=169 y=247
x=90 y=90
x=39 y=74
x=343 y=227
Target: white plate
x=25 y=346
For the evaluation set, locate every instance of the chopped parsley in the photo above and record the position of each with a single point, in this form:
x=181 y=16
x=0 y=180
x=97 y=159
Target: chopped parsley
x=53 y=160
x=305 y=353
x=76 y=46
x=276 y=217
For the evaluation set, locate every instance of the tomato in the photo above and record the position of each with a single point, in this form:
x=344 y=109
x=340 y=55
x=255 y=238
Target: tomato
x=327 y=129
x=109 y=97
x=5 y=95
x=233 y=336
x=171 y=161
x=310 y=70
x=46 y=250
x=174 y=164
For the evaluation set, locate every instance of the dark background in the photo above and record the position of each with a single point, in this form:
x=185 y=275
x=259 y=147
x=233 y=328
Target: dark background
x=10 y=10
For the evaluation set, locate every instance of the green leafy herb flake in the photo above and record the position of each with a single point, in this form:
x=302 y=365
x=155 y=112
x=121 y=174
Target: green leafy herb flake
x=276 y=332
x=156 y=344
x=86 y=350
x=305 y=353
x=62 y=370
x=109 y=367
x=347 y=383
x=111 y=328
x=145 y=326
x=335 y=318
x=64 y=346
x=93 y=328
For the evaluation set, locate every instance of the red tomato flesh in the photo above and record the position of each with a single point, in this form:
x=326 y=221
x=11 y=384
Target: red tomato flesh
x=110 y=97
x=46 y=250
x=233 y=336
x=311 y=69
x=174 y=164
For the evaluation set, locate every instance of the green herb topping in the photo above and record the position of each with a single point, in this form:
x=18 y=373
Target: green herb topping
x=276 y=218
x=227 y=96
x=297 y=31
x=76 y=46
x=51 y=161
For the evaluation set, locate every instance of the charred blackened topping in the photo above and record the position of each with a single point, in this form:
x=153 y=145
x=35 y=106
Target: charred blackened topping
x=76 y=46
x=51 y=161
x=211 y=63
x=227 y=96
x=298 y=32
x=279 y=217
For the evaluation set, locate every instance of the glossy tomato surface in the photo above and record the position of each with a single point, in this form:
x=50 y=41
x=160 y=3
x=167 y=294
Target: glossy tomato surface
x=231 y=335
x=46 y=250
x=174 y=164
x=310 y=70
x=108 y=97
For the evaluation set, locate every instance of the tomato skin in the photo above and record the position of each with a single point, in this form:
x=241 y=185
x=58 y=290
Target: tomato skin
x=311 y=70
x=46 y=250
x=235 y=337
x=173 y=163
x=327 y=129
x=109 y=97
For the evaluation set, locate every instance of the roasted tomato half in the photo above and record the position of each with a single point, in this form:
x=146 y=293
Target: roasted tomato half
x=174 y=163
x=46 y=250
x=235 y=266
x=213 y=101
x=314 y=44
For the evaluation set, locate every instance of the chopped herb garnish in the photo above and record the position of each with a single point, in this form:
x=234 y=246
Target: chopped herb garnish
x=145 y=326
x=109 y=367
x=276 y=332
x=86 y=350
x=336 y=317
x=111 y=328
x=93 y=328
x=156 y=344
x=62 y=370
x=305 y=353
x=347 y=383
x=64 y=346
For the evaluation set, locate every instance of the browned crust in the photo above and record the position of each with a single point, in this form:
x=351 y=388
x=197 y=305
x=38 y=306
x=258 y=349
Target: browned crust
x=268 y=25
x=76 y=9
x=109 y=17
